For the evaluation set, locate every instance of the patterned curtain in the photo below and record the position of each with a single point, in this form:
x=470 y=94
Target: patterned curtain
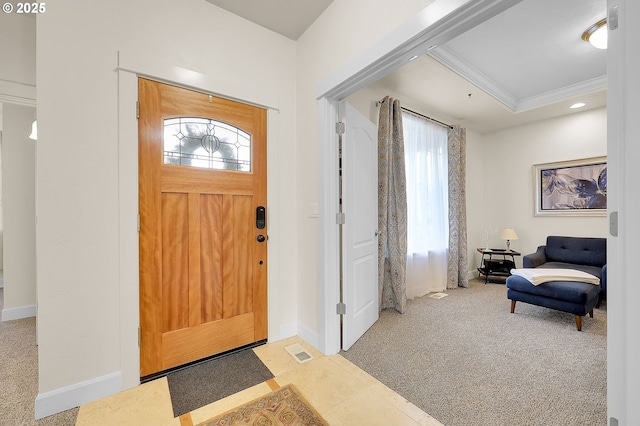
x=457 y=261
x=392 y=208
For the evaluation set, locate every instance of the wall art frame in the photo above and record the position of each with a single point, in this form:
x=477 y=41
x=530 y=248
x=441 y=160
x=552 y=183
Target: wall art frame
x=571 y=188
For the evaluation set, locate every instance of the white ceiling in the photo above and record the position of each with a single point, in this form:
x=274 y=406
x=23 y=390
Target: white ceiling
x=526 y=64
x=290 y=18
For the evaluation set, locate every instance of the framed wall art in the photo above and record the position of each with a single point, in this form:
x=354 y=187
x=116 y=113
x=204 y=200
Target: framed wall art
x=571 y=188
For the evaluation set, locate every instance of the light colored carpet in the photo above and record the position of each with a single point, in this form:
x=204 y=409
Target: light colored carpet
x=466 y=360
x=19 y=373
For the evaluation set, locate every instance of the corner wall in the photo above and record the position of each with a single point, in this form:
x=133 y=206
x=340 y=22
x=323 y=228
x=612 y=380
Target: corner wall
x=509 y=156
x=344 y=30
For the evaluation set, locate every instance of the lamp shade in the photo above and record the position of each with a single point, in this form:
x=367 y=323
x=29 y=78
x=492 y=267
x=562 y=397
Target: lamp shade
x=508 y=234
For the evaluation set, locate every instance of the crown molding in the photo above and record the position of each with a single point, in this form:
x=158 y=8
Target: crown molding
x=17 y=93
x=467 y=71
x=588 y=86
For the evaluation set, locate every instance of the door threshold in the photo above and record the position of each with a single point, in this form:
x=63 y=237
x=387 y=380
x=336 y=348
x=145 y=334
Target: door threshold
x=164 y=373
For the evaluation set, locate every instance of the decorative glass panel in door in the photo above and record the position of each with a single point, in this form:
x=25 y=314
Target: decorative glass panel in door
x=205 y=143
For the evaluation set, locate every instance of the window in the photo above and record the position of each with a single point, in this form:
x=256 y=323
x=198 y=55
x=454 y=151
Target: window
x=426 y=165
x=205 y=143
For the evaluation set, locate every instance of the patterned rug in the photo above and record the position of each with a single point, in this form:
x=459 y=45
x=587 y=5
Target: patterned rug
x=282 y=407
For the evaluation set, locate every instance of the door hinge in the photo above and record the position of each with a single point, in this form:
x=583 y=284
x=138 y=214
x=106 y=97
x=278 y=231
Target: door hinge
x=139 y=336
x=341 y=309
x=340 y=128
x=138 y=223
x=340 y=218
x=137 y=109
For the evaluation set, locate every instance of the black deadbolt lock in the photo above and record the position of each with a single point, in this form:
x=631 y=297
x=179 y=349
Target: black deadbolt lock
x=261 y=220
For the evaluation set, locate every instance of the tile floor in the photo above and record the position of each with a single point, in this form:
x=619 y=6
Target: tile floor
x=342 y=393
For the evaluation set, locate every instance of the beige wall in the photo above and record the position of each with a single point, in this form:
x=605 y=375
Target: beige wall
x=344 y=30
x=17 y=226
x=508 y=179
x=17 y=49
x=81 y=312
x=18 y=196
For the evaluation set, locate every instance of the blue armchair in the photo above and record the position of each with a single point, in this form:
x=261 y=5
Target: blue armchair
x=584 y=254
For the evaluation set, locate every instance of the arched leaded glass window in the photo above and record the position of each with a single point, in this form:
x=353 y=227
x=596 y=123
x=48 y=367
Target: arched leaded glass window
x=206 y=143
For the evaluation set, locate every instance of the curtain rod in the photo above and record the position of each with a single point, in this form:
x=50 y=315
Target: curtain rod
x=420 y=115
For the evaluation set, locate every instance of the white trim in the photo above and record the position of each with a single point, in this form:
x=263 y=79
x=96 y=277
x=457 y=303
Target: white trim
x=128 y=208
x=328 y=237
x=62 y=399
x=465 y=70
x=442 y=20
x=594 y=85
x=285 y=331
x=20 y=312
x=17 y=93
x=308 y=335
x=436 y=24
x=129 y=270
x=155 y=65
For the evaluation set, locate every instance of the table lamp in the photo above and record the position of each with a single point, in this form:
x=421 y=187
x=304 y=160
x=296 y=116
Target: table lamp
x=508 y=234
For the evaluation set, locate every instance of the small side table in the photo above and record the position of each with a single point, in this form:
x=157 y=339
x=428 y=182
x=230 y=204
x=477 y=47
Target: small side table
x=500 y=266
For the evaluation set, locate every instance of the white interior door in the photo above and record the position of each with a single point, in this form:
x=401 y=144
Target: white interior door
x=359 y=232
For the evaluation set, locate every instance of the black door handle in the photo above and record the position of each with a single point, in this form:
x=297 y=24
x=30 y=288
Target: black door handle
x=261 y=238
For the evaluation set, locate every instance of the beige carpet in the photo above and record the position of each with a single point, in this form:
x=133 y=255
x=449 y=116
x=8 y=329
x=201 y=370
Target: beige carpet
x=467 y=361
x=19 y=373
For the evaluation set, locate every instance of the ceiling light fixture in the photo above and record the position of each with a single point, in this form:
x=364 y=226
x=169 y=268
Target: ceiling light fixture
x=577 y=105
x=597 y=34
x=413 y=57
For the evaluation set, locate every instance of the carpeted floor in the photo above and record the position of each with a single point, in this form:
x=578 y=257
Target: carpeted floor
x=19 y=375
x=198 y=385
x=467 y=361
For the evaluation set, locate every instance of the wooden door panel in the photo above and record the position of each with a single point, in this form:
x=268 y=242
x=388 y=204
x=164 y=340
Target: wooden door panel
x=203 y=274
x=211 y=256
x=238 y=242
x=175 y=261
x=177 y=179
x=186 y=345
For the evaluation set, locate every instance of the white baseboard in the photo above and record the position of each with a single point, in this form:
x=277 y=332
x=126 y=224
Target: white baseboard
x=69 y=397
x=10 y=314
x=309 y=336
x=287 y=330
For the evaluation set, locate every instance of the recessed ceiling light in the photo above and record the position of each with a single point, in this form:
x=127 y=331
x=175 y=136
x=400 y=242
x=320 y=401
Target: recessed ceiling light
x=597 y=34
x=413 y=57
x=577 y=105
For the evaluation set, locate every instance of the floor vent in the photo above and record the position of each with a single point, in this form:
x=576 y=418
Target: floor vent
x=439 y=295
x=299 y=353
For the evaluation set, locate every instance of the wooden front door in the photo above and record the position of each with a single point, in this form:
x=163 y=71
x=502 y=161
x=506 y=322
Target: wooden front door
x=203 y=251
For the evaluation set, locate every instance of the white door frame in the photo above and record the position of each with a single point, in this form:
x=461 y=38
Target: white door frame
x=439 y=22
x=132 y=65
x=623 y=152
x=413 y=37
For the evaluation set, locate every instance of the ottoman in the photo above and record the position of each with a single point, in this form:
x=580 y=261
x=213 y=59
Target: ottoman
x=574 y=297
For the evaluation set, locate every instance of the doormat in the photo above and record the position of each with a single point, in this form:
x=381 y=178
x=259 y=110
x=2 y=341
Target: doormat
x=209 y=381
x=284 y=406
